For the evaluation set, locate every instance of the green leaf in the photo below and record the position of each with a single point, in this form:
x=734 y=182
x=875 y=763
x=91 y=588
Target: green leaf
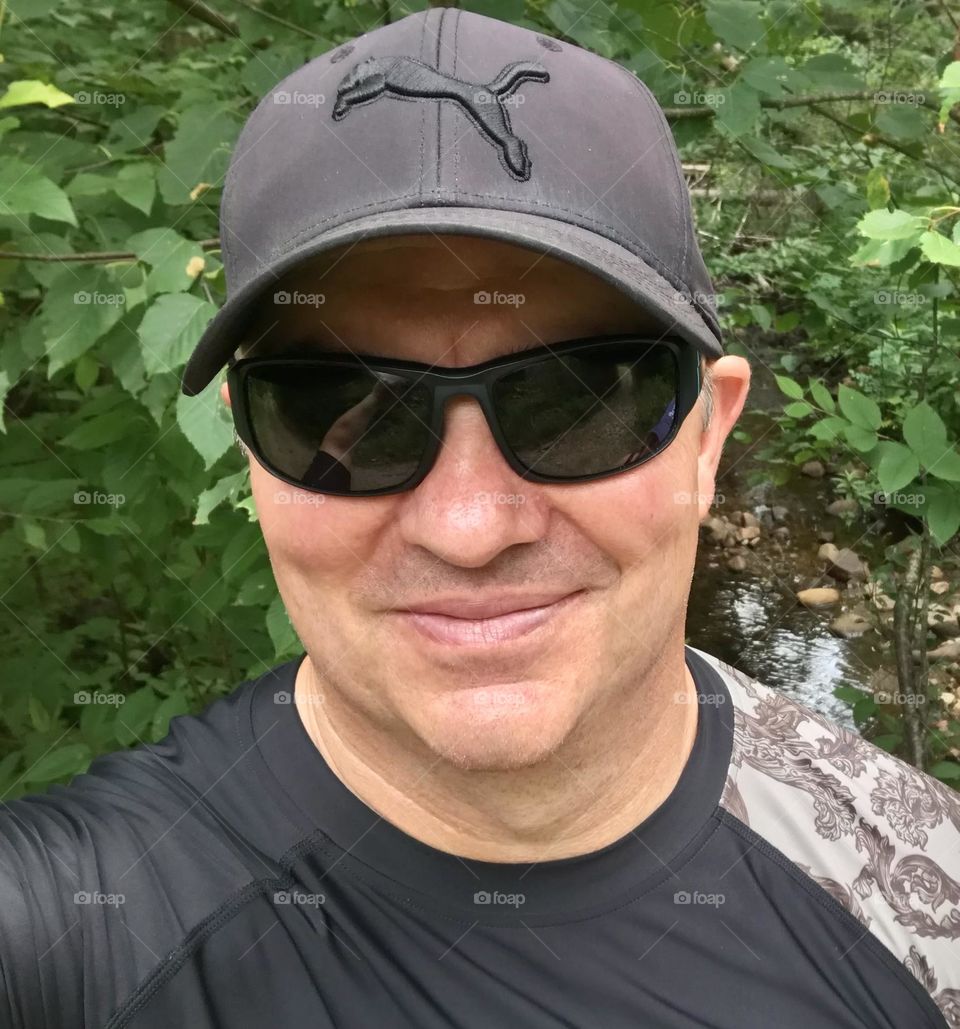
x=898 y=466
x=903 y=121
x=799 y=409
x=883 y=224
x=199 y=151
x=204 y=421
x=739 y=112
x=282 y=633
x=878 y=188
x=861 y=410
x=32 y=91
x=99 y=431
x=80 y=308
x=58 y=763
x=925 y=434
x=170 y=330
x=134 y=715
x=216 y=494
x=860 y=439
x=943 y=514
x=790 y=387
x=822 y=395
x=169 y=707
x=888 y=741
x=937 y=248
x=175 y=261
x=849 y=693
x=137 y=185
x=737 y=22
x=23 y=190
x=947 y=467
x=946 y=770
x=828 y=428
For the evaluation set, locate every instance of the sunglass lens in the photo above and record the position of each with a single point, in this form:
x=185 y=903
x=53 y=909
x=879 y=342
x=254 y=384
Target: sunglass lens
x=588 y=413
x=338 y=429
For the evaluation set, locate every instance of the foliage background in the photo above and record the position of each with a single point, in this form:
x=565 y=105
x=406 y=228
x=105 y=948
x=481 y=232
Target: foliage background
x=823 y=141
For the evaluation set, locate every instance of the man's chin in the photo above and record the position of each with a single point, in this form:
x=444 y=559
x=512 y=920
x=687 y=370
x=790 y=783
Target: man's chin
x=497 y=728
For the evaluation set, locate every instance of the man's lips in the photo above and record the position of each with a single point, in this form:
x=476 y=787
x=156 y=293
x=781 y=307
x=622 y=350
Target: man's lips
x=476 y=621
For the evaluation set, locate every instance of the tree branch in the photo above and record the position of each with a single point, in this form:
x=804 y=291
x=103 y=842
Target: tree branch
x=206 y=14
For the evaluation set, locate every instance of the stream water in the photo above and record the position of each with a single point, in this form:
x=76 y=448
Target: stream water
x=752 y=618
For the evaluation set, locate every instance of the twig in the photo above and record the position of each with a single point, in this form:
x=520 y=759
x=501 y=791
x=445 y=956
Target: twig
x=101 y=255
x=206 y=14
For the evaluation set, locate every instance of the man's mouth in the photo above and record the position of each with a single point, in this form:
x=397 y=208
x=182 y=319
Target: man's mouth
x=479 y=622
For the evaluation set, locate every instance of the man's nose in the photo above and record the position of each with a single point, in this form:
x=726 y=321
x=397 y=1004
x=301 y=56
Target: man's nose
x=472 y=505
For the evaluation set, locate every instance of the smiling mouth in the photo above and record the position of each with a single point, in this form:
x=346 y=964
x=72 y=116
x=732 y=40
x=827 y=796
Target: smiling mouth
x=491 y=630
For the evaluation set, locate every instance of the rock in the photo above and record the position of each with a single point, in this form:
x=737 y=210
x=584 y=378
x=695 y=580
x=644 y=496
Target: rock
x=814 y=469
x=718 y=528
x=949 y=651
x=943 y=622
x=780 y=513
x=936 y=572
x=846 y=505
x=749 y=533
x=781 y=532
x=845 y=566
x=825 y=536
x=819 y=596
x=827 y=551
x=749 y=520
x=737 y=563
x=850 y=624
x=940 y=587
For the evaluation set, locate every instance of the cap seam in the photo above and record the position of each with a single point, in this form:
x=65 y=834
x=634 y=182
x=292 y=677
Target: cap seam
x=681 y=209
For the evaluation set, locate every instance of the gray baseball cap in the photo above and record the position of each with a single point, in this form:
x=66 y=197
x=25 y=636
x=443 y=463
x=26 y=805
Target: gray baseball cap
x=451 y=122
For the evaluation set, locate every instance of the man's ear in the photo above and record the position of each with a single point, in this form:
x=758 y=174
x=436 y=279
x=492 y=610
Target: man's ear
x=225 y=392
x=731 y=383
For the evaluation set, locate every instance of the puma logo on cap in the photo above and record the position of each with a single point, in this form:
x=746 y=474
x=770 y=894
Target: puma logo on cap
x=405 y=78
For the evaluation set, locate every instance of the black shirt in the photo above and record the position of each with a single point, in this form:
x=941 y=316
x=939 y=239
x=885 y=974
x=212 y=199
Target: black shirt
x=796 y=877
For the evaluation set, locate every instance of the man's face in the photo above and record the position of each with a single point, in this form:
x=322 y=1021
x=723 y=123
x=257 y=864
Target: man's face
x=473 y=529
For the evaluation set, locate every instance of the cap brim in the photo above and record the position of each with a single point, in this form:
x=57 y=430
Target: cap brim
x=610 y=261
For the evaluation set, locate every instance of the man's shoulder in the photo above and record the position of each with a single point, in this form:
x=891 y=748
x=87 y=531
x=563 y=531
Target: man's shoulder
x=133 y=855
x=877 y=834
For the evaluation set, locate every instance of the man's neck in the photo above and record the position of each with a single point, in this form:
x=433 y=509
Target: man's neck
x=582 y=798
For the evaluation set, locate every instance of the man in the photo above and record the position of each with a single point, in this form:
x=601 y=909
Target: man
x=498 y=789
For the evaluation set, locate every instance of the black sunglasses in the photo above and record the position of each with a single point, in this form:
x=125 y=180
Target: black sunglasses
x=367 y=426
